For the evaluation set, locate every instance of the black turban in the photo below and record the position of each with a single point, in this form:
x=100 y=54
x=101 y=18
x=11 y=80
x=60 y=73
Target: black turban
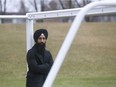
x=39 y=32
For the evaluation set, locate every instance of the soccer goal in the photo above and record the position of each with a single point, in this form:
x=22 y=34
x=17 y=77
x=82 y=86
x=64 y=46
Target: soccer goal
x=89 y=9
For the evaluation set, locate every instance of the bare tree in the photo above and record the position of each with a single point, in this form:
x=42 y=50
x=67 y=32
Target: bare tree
x=35 y=4
x=70 y=3
x=78 y=5
x=3 y=9
x=22 y=8
x=42 y=5
x=0 y=7
x=66 y=4
x=61 y=4
x=22 y=11
x=53 y=5
x=5 y=6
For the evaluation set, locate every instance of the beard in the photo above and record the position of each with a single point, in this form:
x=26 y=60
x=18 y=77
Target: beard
x=40 y=48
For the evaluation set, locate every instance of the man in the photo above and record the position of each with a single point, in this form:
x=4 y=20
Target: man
x=39 y=60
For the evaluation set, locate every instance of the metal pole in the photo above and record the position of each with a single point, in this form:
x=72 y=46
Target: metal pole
x=69 y=39
x=13 y=16
x=29 y=34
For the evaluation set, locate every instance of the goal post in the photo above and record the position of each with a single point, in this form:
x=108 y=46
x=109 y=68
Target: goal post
x=80 y=14
x=61 y=13
x=29 y=34
x=69 y=39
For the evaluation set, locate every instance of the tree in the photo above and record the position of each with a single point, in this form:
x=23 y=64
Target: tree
x=0 y=7
x=3 y=8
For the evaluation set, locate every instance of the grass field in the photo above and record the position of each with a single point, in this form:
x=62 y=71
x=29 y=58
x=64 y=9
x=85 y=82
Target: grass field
x=90 y=62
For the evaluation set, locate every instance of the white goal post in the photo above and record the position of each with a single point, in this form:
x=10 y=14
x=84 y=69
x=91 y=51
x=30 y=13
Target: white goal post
x=62 y=13
x=72 y=12
x=69 y=39
x=79 y=13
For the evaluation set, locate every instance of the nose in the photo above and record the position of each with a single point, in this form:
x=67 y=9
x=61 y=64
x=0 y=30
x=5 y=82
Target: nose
x=42 y=40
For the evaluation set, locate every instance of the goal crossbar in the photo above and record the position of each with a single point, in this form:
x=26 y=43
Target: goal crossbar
x=72 y=12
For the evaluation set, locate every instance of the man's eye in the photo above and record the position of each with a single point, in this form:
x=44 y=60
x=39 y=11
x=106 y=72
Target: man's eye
x=42 y=38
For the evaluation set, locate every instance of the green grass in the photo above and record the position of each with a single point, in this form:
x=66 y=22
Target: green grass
x=90 y=62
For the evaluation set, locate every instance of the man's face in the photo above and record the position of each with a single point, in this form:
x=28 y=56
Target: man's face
x=41 y=39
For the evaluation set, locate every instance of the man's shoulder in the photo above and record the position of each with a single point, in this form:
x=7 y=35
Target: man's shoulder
x=32 y=50
x=47 y=50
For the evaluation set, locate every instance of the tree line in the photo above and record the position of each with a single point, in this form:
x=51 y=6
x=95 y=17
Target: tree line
x=21 y=7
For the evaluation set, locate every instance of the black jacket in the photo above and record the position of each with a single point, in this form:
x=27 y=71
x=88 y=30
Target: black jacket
x=38 y=66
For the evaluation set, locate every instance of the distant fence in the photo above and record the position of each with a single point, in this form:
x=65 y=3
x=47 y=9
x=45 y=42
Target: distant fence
x=79 y=13
x=12 y=17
